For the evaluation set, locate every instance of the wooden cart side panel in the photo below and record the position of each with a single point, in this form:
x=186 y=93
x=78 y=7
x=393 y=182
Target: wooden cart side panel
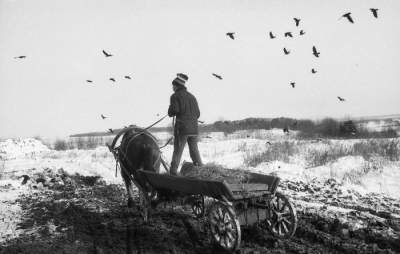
x=187 y=185
x=271 y=181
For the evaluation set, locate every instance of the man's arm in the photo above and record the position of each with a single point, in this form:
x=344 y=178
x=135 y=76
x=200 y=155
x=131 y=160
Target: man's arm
x=197 y=109
x=173 y=109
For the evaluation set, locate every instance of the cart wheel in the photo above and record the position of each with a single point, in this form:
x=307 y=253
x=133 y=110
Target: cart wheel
x=282 y=221
x=198 y=207
x=224 y=226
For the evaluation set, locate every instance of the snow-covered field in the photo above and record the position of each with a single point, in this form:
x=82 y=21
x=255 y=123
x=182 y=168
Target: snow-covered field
x=338 y=187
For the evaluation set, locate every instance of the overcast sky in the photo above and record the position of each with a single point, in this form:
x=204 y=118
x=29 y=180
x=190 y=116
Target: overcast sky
x=47 y=94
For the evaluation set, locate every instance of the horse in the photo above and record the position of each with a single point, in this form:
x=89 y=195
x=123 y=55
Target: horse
x=138 y=150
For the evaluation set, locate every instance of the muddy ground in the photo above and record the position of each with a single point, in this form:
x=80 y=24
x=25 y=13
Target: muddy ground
x=79 y=214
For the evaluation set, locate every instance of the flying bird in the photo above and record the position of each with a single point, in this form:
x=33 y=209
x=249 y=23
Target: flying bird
x=297 y=21
x=340 y=98
x=348 y=16
x=287 y=52
x=104 y=117
x=271 y=35
x=89 y=81
x=289 y=34
x=112 y=79
x=315 y=52
x=106 y=54
x=128 y=77
x=302 y=32
x=231 y=35
x=111 y=130
x=293 y=84
x=268 y=143
x=374 y=12
x=20 y=57
x=217 y=76
x=313 y=71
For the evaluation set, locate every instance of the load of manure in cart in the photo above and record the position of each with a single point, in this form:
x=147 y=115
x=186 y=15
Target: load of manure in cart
x=214 y=172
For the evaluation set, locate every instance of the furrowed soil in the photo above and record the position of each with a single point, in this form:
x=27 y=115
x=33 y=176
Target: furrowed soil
x=81 y=214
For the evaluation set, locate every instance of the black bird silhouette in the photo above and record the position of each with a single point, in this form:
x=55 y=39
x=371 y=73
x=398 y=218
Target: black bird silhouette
x=348 y=16
x=25 y=180
x=313 y=71
x=289 y=34
x=315 y=52
x=271 y=35
x=89 y=81
x=340 y=98
x=111 y=130
x=127 y=77
x=102 y=116
x=374 y=12
x=268 y=143
x=293 y=84
x=297 y=21
x=287 y=52
x=112 y=79
x=302 y=32
x=200 y=121
x=231 y=35
x=217 y=76
x=106 y=54
x=20 y=57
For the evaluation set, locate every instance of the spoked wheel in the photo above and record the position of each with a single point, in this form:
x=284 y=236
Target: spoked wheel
x=282 y=221
x=224 y=226
x=198 y=206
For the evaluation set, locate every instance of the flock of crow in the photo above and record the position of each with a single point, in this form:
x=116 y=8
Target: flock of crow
x=232 y=36
x=315 y=52
x=106 y=54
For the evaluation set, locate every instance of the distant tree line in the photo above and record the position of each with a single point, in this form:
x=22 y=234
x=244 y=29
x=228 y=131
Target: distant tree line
x=328 y=127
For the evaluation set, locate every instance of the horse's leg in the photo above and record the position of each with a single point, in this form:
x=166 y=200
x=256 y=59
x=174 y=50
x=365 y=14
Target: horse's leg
x=128 y=185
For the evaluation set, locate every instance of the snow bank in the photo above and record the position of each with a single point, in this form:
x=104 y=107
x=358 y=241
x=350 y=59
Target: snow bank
x=365 y=176
x=353 y=172
x=19 y=148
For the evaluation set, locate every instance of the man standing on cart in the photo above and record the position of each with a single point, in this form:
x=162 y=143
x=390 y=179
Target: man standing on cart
x=183 y=106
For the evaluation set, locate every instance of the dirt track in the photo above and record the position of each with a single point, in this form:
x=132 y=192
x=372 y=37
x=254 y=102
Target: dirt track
x=85 y=215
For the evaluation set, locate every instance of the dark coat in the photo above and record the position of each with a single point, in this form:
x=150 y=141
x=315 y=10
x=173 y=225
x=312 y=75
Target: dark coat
x=184 y=106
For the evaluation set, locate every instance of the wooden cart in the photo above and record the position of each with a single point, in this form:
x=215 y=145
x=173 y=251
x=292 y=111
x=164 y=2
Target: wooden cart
x=230 y=205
